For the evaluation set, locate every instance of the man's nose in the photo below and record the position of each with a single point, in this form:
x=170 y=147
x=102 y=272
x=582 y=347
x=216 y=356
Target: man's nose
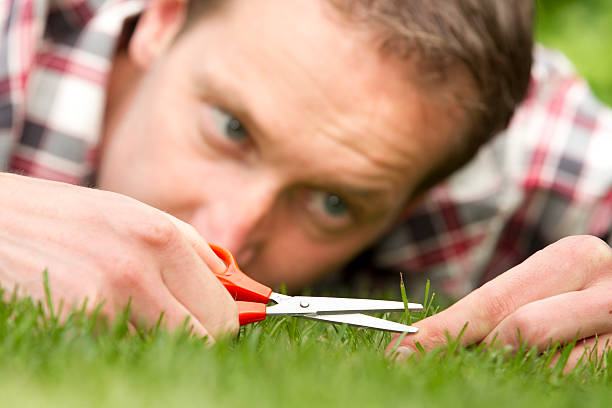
x=239 y=220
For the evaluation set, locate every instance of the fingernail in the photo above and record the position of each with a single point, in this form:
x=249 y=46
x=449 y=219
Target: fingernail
x=402 y=353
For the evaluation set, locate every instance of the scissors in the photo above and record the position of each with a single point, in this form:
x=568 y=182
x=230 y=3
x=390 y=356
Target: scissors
x=253 y=297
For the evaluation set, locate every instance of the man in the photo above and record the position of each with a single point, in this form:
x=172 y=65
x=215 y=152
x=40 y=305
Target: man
x=294 y=133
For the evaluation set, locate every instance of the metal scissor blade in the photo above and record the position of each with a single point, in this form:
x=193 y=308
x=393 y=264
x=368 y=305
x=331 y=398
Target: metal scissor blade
x=361 y=320
x=306 y=305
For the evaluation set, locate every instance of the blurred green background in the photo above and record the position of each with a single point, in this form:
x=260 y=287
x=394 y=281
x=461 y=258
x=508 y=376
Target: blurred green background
x=582 y=29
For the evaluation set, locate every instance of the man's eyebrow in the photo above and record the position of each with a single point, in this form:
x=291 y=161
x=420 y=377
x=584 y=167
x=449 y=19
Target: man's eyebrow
x=226 y=94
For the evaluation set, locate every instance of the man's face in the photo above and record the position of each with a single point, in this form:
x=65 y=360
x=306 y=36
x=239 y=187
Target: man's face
x=278 y=132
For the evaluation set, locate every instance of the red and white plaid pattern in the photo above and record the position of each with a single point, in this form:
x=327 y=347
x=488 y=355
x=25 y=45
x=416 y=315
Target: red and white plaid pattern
x=549 y=175
x=55 y=58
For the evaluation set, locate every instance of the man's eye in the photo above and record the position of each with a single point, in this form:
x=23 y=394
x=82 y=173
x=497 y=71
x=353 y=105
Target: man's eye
x=230 y=126
x=327 y=209
x=333 y=205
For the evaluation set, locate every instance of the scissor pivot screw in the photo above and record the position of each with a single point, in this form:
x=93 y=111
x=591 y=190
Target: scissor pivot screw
x=304 y=304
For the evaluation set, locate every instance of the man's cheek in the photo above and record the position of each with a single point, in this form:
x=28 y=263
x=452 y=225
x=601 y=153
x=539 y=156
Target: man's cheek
x=310 y=264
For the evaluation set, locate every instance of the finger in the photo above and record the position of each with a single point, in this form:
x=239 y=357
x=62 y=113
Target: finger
x=560 y=318
x=567 y=265
x=591 y=350
x=146 y=311
x=194 y=285
x=199 y=244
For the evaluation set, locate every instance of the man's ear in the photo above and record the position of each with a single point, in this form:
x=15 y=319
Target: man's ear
x=157 y=27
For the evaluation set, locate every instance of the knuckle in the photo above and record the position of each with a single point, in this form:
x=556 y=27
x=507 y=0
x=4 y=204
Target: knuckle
x=587 y=246
x=495 y=308
x=599 y=251
x=125 y=275
x=581 y=259
x=593 y=255
x=156 y=231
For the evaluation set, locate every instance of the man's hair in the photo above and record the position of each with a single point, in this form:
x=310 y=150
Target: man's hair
x=491 y=40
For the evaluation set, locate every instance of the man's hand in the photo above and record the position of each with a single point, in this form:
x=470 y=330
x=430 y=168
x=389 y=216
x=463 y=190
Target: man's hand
x=107 y=247
x=560 y=293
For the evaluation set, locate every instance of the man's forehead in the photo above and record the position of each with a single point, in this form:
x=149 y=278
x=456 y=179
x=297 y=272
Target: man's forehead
x=318 y=80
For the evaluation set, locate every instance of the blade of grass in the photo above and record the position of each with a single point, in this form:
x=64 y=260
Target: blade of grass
x=48 y=293
x=407 y=318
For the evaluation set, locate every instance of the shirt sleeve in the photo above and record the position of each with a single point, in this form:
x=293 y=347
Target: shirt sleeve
x=58 y=55
x=22 y=23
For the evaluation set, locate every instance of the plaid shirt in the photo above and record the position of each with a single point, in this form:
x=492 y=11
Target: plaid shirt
x=547 y=176
x=55 y=59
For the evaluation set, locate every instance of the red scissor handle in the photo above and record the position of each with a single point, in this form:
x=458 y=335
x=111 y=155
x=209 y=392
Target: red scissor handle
x=250 y=312
x=252 y=297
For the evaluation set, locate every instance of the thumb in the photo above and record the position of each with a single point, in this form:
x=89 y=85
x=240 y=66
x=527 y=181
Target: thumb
x=432 y=333
x=436 y=331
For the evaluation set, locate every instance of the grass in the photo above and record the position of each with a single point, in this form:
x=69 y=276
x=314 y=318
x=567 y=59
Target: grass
x=300 y=363
x=582 y=30
x=85 y=362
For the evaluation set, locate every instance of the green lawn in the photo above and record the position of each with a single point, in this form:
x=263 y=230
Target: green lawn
x=582 y=29
x=300 y=363
x=280 y=362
